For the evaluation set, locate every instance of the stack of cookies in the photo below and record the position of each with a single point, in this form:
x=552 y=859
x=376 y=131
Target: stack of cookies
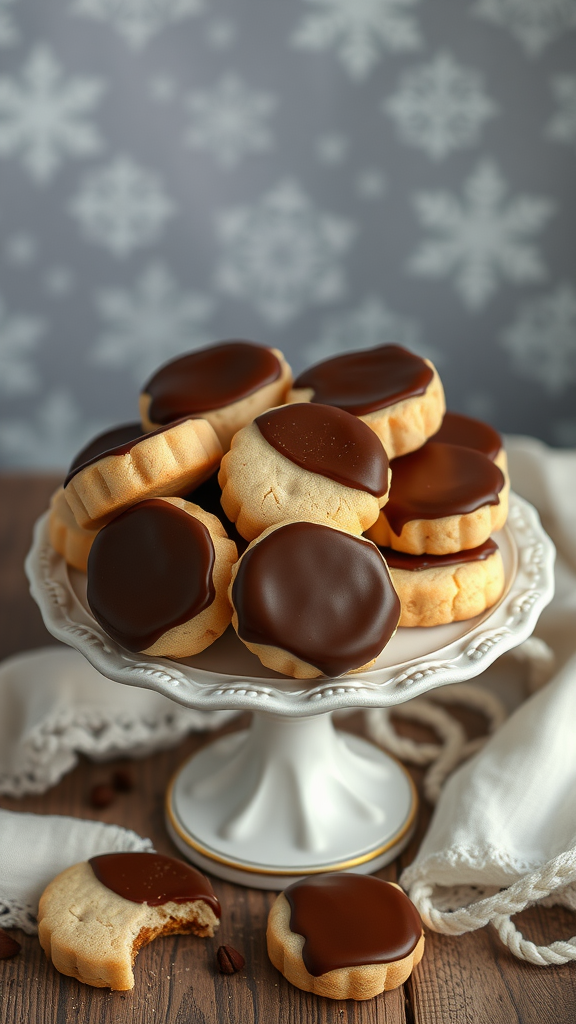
x=356 y=504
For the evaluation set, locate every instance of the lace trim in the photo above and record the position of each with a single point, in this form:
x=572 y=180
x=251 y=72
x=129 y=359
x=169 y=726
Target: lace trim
x=53 y=747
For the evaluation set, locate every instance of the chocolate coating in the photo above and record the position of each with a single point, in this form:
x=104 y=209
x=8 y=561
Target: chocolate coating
x=150 y=569
x=362 y=382
x=318 y=593
x=209 y=379
x=330 y=442
x=153 y=878
x=416 y=563
x=470 y=433
x=348 y=920
x=440 y=480
x=104 y=443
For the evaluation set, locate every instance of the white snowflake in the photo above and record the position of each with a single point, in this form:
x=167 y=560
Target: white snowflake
x=50 y=438
x=332 y=148
x=440 y=106
x=122 y=206
x=483 y=238
x=9 y=34
x=228 y=121
x=20 y=249
x=137 y=21
x=542 y=340
x=19 y=337
x=221 y=33
x=370 y=184
x=282 y=254
x=369 y=324
x=58 y=282
x=151 y=323
x=534 y=23
x=562 y=127
x=42 y=117
x=359 y=30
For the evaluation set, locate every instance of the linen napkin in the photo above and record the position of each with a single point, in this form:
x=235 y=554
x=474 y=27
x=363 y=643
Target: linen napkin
x=54 y=706
x=503 y=835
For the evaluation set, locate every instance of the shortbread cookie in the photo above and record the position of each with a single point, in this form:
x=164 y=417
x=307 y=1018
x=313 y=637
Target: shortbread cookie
x=344 y=936
x=158 y=577
x=228 y=384
x=471 y=433
x=304 y=461
x=443 y=498
x=312 y=600
x=169 y=461
x=95 y=916
x=398 y=394
x=113 y=438
x=436 y=589
x=66 y=537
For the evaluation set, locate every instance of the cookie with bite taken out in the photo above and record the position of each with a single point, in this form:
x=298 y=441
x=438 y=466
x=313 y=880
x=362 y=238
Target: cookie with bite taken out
x=95 y=916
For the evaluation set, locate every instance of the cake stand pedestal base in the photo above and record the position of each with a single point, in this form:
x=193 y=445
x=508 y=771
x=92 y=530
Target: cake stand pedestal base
x=287 y=798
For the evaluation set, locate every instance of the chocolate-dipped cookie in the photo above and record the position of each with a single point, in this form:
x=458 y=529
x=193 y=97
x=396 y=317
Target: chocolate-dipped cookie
x=104 y=442
x=168 y=461
x=443 y=498
x=66 y=537
x=227 y=384
x=472 y=433
x=158 y=577
x=95 y=916
x=398 y=394
x=437 y=589
x=304 y=461
x=344 y=935
x=312 y=600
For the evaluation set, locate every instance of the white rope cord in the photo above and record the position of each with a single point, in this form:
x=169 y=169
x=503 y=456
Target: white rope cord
x=454 y=748
x=381 y=730
x=477 y=698
x=498 y=909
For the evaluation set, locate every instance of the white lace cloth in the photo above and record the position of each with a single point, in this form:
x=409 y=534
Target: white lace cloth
x=503 y=835
x=54 y=706
x=36 y=847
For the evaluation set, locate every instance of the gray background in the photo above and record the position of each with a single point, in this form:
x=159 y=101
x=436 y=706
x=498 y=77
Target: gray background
x=313 y=174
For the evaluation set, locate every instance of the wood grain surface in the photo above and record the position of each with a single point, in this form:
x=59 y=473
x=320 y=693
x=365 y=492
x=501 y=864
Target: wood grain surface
x=470 y=979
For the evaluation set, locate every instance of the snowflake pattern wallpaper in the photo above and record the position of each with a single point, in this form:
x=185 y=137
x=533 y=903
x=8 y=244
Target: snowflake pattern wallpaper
x=317 y=175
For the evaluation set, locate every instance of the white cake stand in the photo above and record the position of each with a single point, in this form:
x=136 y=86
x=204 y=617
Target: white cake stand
x=291 y=795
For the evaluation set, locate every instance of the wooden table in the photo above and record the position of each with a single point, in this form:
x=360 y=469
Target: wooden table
x=471 y=979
